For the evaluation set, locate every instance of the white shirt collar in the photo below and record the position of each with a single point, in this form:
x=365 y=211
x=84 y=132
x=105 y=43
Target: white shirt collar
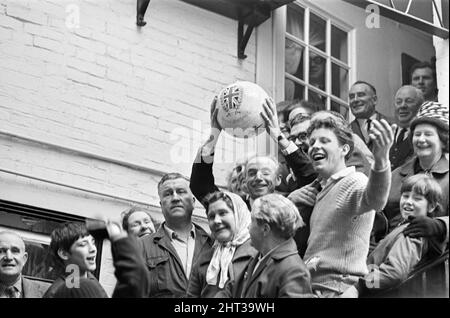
x=338 y=175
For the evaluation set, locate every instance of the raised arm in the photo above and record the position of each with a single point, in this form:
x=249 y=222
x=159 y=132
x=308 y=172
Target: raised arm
x=202 y=179
x=296 y=159
x=377 y=190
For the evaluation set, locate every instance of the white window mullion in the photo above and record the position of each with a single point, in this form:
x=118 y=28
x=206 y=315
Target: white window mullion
x=328 y=73
x=306 y=61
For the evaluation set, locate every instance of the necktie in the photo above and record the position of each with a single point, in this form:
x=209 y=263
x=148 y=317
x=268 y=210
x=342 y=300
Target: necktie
x=368 y=125
x=401 y=135
x=11 y=292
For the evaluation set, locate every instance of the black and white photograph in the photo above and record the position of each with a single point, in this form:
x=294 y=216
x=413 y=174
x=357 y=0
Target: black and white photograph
x=224 y=153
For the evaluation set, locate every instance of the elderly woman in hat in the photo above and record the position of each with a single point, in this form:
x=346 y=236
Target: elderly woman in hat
x=430 y=137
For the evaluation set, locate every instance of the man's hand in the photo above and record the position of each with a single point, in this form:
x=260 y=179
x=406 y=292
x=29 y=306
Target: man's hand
x=382 y=137
x=115 y=230
x=213 y=115
x=271 y=119
x=424 y=226
x=210 y=145
x=304 y=196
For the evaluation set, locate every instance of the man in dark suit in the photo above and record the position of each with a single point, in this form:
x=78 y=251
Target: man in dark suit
x=363 y=100
x=170 y=252
x=406 y=102
x=12 y=259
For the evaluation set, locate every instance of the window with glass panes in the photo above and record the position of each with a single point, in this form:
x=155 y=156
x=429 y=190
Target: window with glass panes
x=316 y=59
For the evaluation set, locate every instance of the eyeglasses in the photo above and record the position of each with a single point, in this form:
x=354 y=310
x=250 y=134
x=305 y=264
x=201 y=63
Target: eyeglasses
x=302 y=137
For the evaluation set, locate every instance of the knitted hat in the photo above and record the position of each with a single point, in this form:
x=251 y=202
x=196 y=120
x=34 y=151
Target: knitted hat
x=432 y=113
x=88 y=288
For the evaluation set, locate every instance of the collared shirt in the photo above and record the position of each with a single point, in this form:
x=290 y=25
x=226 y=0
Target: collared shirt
x=338 y=175
x=261 y=258
x=17 y=286
x=184 y=247
x=363 y=125
x=397 y=134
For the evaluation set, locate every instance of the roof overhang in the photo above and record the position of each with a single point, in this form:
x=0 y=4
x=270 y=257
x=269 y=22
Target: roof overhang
x=390 y=11
x=247 y=12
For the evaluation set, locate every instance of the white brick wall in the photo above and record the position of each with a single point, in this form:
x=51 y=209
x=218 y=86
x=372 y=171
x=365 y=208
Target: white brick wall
x=110 y=88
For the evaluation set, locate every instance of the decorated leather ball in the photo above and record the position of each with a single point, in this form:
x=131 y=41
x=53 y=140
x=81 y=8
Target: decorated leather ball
x=239 y=108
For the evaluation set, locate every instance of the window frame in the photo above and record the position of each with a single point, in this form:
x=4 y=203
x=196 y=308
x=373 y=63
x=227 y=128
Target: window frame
x=280 y=19
x=42 y=238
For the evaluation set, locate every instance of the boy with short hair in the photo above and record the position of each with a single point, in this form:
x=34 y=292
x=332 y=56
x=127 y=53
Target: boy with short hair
x=74 y=253
x=396 y=255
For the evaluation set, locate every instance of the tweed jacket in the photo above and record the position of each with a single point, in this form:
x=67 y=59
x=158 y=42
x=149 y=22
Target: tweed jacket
x=32 y=288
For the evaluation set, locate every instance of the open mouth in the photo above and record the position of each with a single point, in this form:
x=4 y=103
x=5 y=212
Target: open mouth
x=318 y=156
x=408 y=209
x=91 y=259
x=8 y=266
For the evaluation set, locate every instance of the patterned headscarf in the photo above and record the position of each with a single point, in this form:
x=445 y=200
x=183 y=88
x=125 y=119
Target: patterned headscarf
x=224 y=252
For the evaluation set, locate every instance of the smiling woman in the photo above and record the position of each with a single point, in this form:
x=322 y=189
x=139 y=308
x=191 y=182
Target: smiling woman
x=430 y=140
x=229 y=220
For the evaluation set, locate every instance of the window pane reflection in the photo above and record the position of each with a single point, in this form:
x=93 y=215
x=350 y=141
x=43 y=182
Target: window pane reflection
x=293 y=58
x=317 y=32
x=295 y=21
x=339 y=44
x=339 y=81
x=317 y=67
x=293 y=90
x=318 y=99
x=342 y=109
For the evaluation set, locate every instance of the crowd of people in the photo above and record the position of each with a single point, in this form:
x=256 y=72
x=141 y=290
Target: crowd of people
x=341 y=198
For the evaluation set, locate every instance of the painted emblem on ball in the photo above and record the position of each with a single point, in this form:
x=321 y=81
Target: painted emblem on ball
x=231 y=99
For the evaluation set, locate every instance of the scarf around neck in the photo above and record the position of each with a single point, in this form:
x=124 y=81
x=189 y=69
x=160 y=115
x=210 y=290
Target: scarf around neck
x=224 y=252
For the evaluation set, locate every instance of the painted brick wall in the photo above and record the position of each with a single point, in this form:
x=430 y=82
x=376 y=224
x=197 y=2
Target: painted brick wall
x=80 y=74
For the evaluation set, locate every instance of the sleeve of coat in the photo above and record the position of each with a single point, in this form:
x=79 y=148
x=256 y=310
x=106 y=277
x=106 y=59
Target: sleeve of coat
x=194 y=289
x=302 y=167
x=436 y=244
x=130 y=269
x=202 y=179
x=403 y=256
x=296 y=283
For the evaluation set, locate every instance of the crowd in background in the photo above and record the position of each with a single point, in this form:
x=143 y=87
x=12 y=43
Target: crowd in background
x=347 y=209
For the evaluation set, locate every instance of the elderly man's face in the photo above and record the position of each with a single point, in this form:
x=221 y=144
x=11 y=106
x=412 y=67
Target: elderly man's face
x=12 y=257
x=422 y=78
x=362 y=101
x=261 y=176
x=406 y=105
x=140 y=224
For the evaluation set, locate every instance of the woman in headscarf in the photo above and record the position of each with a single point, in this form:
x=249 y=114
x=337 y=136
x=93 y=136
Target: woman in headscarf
x=229 y=219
